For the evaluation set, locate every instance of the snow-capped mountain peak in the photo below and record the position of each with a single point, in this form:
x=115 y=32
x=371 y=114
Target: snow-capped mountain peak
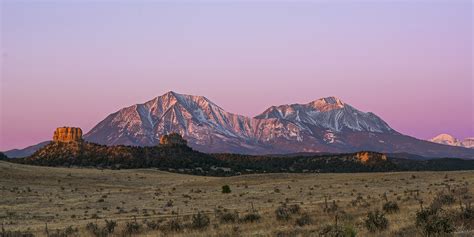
x=328 y=113
x=447 y=139
x=327 y=104
x=195 y=117
x=324 y=125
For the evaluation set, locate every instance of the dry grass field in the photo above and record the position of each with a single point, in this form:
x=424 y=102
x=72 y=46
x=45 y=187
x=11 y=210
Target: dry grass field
x=147 y=202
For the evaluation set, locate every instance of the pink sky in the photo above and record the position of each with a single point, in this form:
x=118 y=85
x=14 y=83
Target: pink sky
x=410 y=62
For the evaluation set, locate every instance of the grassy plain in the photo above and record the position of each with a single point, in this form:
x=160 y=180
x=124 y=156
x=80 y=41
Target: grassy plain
x=46 y=201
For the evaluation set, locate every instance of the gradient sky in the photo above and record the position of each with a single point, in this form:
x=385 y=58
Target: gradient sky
x=74 y=62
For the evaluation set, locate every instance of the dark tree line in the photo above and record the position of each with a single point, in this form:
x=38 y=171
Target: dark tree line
x=183 y=159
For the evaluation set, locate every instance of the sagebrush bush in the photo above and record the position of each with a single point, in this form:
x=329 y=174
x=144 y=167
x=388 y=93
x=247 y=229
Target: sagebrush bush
x=152 y=225
x=70 y=230
x=95 y=230
x=282 y=213
x=200 y=221
x=174 y=225
x=390 y=207
x=304 y=219
x=92 y=227
x=337 y=231
x=468 y=213
x=17 y=233
x=132 y=228
x=294 y=209
x=251 y=217
x=434 y=221
x=376 y=221
x=443 y=199
x=229 y=217
x=110 y=226
x=407 y=231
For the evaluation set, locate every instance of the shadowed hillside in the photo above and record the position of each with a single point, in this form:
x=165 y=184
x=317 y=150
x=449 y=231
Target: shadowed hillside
x=174 y=155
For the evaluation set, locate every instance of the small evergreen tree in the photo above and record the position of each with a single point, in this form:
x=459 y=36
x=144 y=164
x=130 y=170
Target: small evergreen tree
x=226 y=189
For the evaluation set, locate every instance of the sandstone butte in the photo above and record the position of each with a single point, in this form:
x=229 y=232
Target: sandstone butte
x=67 y=134
x=366 y=156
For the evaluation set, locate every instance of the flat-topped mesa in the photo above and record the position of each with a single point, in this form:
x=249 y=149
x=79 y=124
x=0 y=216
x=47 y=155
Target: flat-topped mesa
x=67 y=134
x=172 y=139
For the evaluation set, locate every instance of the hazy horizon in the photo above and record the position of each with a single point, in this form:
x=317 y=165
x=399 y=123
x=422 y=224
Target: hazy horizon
x=74 y=63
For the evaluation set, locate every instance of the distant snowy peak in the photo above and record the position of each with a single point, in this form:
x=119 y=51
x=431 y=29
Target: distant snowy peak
x=447 y=139
x=468 y=142
x=194 y=117
x=328 y=113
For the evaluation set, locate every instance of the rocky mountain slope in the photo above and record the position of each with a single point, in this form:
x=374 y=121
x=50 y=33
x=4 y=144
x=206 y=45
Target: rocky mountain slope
x=452 y=141
x=323 y=125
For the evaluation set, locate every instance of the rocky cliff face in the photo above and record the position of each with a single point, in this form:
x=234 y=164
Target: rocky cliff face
x=369 y=157
x=67 y=134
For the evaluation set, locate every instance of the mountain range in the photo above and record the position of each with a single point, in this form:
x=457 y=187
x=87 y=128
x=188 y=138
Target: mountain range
x=326 y=125
x=452 y=141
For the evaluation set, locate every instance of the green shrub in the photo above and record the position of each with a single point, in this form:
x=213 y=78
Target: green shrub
x=376 y=221
x=226 y=189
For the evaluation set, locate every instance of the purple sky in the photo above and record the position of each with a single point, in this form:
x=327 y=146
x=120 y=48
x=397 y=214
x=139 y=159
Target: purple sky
x=74 y=62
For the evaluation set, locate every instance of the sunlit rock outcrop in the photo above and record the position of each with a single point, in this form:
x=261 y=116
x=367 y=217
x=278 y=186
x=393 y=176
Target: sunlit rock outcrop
x=369 y=157
x=67 y=134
